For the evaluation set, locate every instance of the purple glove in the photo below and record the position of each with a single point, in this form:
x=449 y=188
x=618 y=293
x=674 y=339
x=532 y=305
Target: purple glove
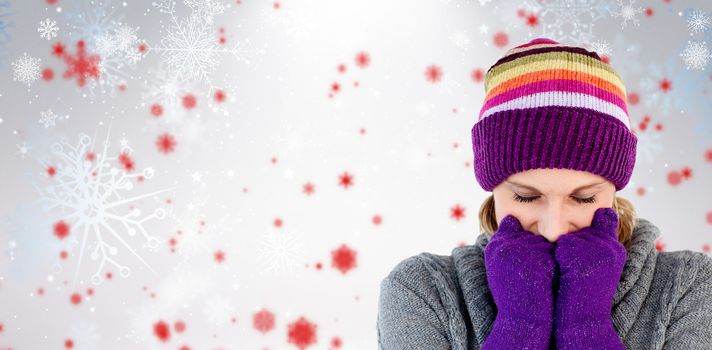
x=591 y=261
x=520 y=271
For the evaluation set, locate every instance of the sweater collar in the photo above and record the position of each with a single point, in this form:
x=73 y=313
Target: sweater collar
x=633 y=287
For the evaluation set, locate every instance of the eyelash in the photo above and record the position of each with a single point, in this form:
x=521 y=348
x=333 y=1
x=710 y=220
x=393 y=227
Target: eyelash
x=531 y=199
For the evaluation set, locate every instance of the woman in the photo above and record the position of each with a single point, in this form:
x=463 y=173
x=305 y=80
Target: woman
x=562 y=263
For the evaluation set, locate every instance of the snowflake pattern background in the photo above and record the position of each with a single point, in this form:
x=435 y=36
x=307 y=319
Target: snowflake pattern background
x=205 y=173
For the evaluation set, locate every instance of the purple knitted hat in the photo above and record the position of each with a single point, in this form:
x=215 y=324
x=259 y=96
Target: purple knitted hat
x=555 y=106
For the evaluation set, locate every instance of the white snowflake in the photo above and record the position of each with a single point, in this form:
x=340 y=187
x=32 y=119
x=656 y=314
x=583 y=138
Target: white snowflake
x=299 y=24
x=696 y=55
x=447 y=85
x=628 y=13
x=602 y=48
x=218 y=310
x=23 y=150
x=190 y=49
x=26 y=69
x=162 y=87
x=280 y=251
x=484 y=29
x=206 y=10
x=88 y=193
x=460 y=39
x=48 y=29
x=48 y=118
x=698 y=22
x=649 y=145
x=85 y=335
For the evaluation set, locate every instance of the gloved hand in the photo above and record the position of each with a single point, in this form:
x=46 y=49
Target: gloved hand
x=590 y=261
x=520 y=271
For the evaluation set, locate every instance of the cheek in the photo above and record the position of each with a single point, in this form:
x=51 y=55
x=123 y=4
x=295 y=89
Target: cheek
x=504 y=206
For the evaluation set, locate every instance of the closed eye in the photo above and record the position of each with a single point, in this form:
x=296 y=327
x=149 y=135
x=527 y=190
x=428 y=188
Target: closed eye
x=531 y=199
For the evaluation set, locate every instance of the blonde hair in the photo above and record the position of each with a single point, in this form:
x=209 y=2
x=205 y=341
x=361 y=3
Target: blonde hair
x=627 y=218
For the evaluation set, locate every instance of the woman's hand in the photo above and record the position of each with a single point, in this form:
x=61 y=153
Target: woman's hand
x=590 y=262
x=520 y=271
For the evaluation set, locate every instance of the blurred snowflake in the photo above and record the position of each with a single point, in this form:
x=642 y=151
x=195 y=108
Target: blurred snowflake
x=628 y=12
x=280 y=251
x=663 y=85
x=570 y=21
x=649 y=145
x=88 y=193
x=218 y=310
x=26 y=69
x=84 y=335
x=89 y=19
x=23 y=150
x=5 y=15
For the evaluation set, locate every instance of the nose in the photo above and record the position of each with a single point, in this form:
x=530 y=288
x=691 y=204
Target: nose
x=553 y=224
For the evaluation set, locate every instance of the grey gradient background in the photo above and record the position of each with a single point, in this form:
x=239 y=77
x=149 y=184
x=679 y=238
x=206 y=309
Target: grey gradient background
x=222 y=191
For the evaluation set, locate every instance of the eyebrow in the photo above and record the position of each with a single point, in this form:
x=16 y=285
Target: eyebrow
x=576 y=190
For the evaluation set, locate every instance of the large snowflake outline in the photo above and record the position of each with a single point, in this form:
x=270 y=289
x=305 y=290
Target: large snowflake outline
x=5 y=23
x=569 y=21
x=89 y=19
x=190 y=48
x=88 y=194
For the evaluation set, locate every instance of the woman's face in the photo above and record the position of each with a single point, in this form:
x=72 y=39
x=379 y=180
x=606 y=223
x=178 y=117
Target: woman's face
x=554 y=201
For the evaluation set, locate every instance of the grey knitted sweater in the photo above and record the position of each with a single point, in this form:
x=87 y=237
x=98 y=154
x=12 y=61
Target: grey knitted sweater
x=663 y=299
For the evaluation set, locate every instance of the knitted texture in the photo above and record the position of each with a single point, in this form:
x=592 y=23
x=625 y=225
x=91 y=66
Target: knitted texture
x=590 y=261
x=550 y=105
x=430 y=301
x=520 y=273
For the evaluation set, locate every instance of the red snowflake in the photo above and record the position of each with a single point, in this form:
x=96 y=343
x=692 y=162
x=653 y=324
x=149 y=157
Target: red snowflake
x=219 y=256
x=308 y=188
x=500 y=39
x=665 y=85
x=162 y=331
x=126 y=161
x=532 y=20
x=343 y=258
x=457 y=212
x=477 y=75
x=363 y=59
x=80 y=66
x=166 y=143
x=433 y=73
x=302 y=333
x=346 y=180
x=263 y=321
x=61 y=229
